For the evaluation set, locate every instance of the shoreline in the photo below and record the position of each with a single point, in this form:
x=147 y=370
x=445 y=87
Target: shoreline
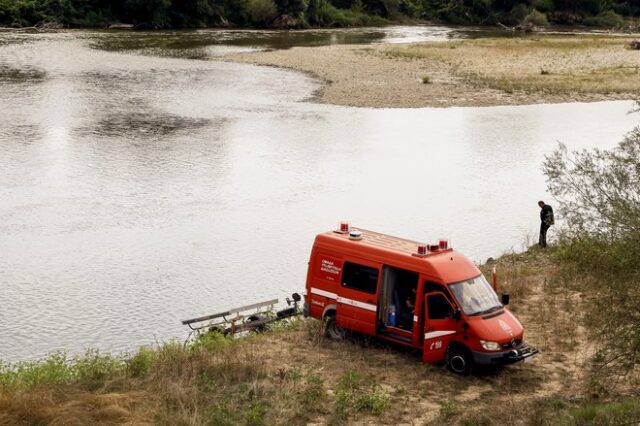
x=292 y=374
x=461 y=73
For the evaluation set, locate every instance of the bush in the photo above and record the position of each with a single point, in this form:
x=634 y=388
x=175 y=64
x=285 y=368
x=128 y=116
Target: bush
x=323 y=13
x=544 y=5
x=606 y=19
x=599 y=195
x=599 y=190
x=519 y=12
x=536 y=18
x=262 y=12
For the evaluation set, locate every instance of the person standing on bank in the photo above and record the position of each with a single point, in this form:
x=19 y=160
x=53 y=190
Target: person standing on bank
x=546 y=220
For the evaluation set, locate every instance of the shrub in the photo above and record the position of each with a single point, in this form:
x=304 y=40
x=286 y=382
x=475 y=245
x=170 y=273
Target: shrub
x=426 y=79
x=519 y=12
x=606 y=19
x=543 y=5
x=375 y=401
x=536 y=18
x=599 y=189
x=323 y=13
x=262 y=12
x=599 y=194
x=141 y=364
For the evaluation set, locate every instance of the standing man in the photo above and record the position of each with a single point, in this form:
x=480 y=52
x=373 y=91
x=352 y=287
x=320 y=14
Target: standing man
x=546 y=220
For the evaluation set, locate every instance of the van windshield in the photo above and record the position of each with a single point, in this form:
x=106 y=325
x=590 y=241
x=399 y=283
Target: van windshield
x=475 y=296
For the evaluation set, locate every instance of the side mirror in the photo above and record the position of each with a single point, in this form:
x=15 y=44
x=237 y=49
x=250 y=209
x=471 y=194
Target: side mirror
x=505 y=299
x=456 y=314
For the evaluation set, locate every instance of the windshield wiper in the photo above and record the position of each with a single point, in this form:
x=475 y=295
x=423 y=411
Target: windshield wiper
x=488 y=311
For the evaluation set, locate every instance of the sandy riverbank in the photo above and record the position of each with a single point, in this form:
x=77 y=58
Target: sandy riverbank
x=483 y=72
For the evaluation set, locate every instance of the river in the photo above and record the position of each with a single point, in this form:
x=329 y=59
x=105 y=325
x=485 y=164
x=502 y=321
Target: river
x=143 y=183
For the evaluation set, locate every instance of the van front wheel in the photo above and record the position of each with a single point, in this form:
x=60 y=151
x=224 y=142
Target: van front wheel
x=332 y=330
x=459 y=360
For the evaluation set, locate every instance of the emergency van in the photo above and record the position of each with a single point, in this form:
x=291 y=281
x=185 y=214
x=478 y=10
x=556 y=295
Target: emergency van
x=429 y=297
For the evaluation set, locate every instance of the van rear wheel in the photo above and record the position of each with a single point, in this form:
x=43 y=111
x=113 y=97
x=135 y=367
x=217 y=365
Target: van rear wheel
x=332 y=330
x=459 y=360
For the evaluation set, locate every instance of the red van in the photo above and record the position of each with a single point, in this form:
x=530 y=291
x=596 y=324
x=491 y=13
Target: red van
x=429 y=297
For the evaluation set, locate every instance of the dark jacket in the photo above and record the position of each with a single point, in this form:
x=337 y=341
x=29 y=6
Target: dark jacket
x=546 y=215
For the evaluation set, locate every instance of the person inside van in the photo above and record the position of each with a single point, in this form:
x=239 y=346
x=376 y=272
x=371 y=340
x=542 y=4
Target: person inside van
x=408 y=310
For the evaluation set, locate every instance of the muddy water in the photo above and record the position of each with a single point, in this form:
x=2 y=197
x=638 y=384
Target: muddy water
x=142 y=185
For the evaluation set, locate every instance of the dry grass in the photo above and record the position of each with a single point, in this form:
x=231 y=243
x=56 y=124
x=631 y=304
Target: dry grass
x=294 y=376
x=549 y=64
x=481 y=72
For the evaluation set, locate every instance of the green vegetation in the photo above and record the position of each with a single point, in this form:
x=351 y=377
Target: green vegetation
x=599 y=192
x=304 y=13
x=579 y=301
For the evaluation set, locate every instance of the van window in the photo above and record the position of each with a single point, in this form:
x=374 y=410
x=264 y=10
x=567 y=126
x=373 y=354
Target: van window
x=439 y=307
x=359 y=277
x=430 y=287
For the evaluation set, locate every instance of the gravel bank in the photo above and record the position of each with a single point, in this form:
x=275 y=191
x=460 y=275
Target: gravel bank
x=391 y=76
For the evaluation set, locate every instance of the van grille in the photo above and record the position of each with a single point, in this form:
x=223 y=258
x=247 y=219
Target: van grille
x=514 y=343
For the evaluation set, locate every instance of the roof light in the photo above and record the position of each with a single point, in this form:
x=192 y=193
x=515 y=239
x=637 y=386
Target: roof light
x=355 y=235
x=443 y=244
x=344 y=227
x=433 y=247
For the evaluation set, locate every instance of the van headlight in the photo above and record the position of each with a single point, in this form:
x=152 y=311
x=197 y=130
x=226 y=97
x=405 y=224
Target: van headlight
x=490 y=346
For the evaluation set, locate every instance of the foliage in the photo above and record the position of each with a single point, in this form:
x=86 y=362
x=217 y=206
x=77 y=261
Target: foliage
x=599 y=193
x=351 y=395
x=212 y=13
x=59 y=369
x=614 y=413
x=608 y=19
x=536 y=18
x=599 y=189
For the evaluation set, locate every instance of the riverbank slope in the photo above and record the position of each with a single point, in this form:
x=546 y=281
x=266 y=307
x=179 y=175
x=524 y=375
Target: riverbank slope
x=481 y=72
x=293 y=375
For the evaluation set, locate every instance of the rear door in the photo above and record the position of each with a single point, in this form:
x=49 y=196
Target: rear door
x=357 y=296
x=439 y=327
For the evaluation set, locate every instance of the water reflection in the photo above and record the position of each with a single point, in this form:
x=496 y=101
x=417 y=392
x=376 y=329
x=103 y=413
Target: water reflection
x=140 y=190
x=201 y=44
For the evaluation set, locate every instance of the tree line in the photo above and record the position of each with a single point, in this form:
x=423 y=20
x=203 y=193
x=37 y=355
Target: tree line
x=311 y=13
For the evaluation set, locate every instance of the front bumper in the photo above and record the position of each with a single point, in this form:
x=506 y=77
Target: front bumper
x=523 y=353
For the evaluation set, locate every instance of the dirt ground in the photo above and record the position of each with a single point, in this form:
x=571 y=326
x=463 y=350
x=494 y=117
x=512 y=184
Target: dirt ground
x=482 y=72
x=517 y=394
x=293 y=375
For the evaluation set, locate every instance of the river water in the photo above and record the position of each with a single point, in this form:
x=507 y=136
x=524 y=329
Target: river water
x=143 y=184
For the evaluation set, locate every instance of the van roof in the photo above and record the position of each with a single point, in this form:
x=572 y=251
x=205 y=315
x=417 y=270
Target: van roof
x=447 y=265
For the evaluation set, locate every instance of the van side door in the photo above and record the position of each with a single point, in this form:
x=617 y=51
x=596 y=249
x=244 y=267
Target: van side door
x=358 y=296
x=439 y=327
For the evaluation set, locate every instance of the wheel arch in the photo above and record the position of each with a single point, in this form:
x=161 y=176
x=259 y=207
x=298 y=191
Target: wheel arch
x=329 y=310
x=458 y=345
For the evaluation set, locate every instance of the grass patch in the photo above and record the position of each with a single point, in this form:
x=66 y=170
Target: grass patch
x=569 y=64
x=613 y=413
x=351 y=395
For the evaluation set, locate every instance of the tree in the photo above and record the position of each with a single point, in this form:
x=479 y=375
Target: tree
x=599 y=195
x=599 y=190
